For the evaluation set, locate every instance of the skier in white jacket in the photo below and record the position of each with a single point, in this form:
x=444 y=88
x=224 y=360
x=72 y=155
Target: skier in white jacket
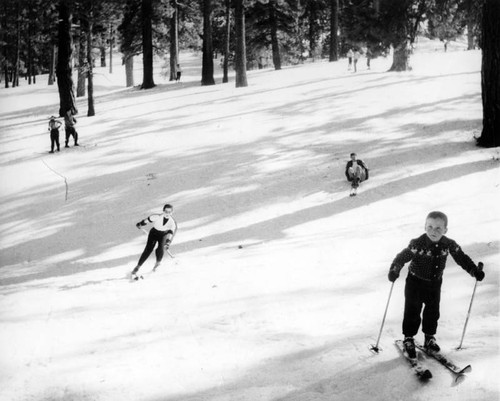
x=161 y=234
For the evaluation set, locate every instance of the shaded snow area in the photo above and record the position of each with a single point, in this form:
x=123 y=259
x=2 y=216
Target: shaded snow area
x=279 y=281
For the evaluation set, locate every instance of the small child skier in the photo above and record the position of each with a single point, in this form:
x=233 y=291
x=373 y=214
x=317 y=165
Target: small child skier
x=161 y=234
x=54 y=133
x=427 y=255
x=356 y=172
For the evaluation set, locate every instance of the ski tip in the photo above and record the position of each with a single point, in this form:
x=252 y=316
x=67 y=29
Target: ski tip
x=467 y=369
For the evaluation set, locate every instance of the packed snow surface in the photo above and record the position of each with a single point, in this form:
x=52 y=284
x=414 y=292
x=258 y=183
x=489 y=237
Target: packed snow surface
x=279 y=281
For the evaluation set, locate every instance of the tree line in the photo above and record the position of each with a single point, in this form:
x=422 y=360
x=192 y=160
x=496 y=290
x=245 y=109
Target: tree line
x=53 y=36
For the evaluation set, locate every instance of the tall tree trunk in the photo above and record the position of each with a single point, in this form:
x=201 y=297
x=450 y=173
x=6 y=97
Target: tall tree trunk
x=470 y=35
x=3 y=32
x=401 y=57
x=31 y=34
x=111 y=43
x=174 y=42
x=102 y=50
x=6 y=75
x=470 y=24
x=90 y=62
x=147 y=45
x=225 y=77
x=82 y=60
x=64 y=70
x=334 y=29
x=490 y=74
x=30 y=53
x=129 y=70
x=15 y=79
x=274 y=35
x=52 y=68
x=313 y=28
x=241 y=52
x=207 y=69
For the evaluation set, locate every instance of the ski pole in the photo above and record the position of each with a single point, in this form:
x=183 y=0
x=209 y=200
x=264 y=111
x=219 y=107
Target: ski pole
x=375 y=347
x=480 y=267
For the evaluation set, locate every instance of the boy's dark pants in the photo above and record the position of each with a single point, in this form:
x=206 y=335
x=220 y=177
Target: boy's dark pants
x=71 y=131
x=54 y=139
x=417 y=294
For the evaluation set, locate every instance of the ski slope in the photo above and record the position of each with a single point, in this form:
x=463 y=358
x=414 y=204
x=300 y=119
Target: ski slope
x=279 y=281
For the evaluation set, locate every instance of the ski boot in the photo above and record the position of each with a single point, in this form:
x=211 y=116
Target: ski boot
x=409 y=347
x=430 y=344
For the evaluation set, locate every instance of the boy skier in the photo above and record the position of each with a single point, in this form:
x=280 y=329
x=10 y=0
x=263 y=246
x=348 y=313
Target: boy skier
x=161 y=234
x=427 y=255
x=54 y=133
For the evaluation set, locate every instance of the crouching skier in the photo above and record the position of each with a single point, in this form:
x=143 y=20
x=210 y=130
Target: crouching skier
x=160 y=235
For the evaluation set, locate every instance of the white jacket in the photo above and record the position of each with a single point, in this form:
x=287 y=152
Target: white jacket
x=162 y=222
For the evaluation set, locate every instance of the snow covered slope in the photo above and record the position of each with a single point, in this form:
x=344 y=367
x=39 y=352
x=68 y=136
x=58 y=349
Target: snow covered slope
x=279 y=282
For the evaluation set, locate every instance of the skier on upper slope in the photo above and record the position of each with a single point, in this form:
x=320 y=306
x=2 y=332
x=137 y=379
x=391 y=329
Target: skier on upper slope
x=356 y=172
x=427 y=255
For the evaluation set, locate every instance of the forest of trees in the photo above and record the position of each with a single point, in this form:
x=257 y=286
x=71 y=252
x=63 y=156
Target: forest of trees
x=55 y=36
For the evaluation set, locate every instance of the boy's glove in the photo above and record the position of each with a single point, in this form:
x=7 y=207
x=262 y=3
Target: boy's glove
x=140 y=224
x=393 y=275
x=479 y=275
x=167 y=245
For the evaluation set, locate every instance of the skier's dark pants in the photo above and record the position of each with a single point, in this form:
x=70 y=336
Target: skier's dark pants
x=418 y=293
x=154 y=237
x=71 y=131
x=54 y=139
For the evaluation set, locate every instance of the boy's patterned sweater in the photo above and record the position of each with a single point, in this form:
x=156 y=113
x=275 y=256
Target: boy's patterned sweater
x=428 y=259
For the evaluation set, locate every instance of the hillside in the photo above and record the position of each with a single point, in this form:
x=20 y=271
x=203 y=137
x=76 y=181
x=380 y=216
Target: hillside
x=279 y=280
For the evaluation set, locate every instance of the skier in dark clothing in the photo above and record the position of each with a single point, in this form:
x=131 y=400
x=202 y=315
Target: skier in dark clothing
x=427 y=255
x=356 y=172
x=161 y=234
x=54 y=133
x=69 y=123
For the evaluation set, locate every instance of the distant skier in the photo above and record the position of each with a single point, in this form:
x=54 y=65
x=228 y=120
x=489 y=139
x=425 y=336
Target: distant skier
x=350 y=55
x=54 y=125
x=369 y=56
x=356 y=172
x=356 y=57
x=69 y=125
x=161 y=234
x=427 y=255
x=178 y=74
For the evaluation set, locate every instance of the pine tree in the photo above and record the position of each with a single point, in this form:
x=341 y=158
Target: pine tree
x=64 y=70
x=207 y=72
x=490 y=74
x=147 y=44
x=240 y=53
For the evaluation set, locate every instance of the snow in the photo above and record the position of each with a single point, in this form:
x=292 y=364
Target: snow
x=279 y=281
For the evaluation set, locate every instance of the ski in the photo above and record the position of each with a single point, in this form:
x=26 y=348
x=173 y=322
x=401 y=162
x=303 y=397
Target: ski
x=135 y=277
x=421 y=371
x=444 y=360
